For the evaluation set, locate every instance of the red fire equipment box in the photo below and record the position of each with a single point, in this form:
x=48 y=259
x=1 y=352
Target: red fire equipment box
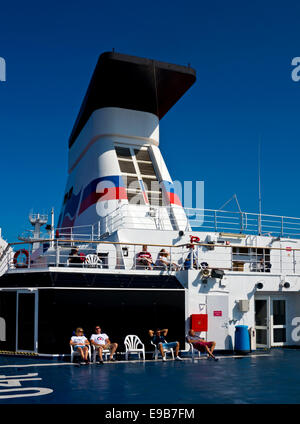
x=198 y=322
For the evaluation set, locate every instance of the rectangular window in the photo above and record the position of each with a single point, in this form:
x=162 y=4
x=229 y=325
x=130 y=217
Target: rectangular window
x=139 y=175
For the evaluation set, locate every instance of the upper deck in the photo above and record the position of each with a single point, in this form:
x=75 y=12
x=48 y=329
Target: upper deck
x=238 y=243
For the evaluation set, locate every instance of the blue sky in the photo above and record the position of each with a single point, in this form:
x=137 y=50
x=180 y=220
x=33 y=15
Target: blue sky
x=242 y=52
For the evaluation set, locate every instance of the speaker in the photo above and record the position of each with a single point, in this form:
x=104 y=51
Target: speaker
x=217 y=273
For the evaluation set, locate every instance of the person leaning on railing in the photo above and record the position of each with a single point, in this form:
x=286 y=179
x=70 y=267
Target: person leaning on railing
x=192 y=254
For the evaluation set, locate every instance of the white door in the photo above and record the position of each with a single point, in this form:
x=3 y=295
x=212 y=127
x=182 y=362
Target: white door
x=270 y=321
x=262 y=323
x=217 y=310
x=278 y=321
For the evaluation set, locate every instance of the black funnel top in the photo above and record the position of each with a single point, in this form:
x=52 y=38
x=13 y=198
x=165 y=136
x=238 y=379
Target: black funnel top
x=135 y=83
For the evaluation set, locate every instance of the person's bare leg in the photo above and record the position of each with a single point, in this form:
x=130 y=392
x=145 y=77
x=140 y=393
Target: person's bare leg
x=177 y=349
x=113 y=349
x=161 y=350
x=85 y=352
x=100 y=353
x=81 y=353
x=209 y=352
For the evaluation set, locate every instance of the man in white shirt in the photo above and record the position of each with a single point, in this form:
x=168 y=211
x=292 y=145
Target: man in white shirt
x=101 y=341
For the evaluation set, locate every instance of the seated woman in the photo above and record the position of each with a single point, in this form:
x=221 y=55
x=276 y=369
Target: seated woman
x=163 y=261
x=201 y=345
x=144 y=259
x=80 y=344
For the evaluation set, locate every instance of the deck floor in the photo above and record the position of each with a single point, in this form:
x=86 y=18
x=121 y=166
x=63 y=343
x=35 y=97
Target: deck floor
x=259 y=378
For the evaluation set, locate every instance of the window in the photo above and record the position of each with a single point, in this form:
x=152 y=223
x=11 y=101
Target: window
x=139 y=175
x=257 y=258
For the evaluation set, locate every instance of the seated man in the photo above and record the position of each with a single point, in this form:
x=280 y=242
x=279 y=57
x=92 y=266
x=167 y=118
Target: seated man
x=201 y=345
x=101 y=341
x=158 y=338
x=144 y=258
x=80 y=343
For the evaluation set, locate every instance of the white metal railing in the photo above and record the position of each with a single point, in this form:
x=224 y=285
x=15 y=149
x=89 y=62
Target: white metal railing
x=243 y=222
x=162 y=218
x=117 y=255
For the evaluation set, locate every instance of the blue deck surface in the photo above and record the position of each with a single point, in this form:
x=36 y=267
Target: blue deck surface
x=269 y=379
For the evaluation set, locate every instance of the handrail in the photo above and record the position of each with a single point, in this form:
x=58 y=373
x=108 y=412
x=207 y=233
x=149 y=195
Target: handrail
x=152 y=244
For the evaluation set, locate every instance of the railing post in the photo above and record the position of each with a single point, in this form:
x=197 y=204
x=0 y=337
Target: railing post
x=282 y=226
x=215 y=220
x=57 y=253
x=294 y=261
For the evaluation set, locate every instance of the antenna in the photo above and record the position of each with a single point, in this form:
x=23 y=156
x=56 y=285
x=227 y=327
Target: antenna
x=229 y=200
x=259 y=187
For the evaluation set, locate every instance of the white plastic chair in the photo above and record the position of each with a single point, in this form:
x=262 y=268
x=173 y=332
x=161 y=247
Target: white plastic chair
x=134 y=345
x=157 y=351
x=194 y=351
x=76 y=353
x=93 y=260
x=105 y=352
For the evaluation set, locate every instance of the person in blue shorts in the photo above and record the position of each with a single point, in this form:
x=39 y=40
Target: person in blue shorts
x=158 y=338
x=81 y=344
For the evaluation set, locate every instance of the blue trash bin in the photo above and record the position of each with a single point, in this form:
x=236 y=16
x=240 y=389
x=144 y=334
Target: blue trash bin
x=242 y=339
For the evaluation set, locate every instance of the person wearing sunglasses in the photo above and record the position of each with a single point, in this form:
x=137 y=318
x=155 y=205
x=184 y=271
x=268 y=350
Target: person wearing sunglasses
x=80 y=343
x=101 y=341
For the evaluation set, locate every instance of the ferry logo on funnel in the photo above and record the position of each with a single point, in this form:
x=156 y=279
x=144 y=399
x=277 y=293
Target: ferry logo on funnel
x=2 y=70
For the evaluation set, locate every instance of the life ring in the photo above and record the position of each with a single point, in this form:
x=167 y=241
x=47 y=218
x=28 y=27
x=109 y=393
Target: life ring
x=24 y=262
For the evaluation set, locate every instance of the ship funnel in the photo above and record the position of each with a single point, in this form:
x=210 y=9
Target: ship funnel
x=117 y=175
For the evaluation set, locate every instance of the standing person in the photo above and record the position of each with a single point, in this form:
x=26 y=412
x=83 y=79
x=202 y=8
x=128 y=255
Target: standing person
x=144 y=258
x=201 y=345
x=191 y=256
x=81 y=344
x=101 y=341
x=158 y=338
